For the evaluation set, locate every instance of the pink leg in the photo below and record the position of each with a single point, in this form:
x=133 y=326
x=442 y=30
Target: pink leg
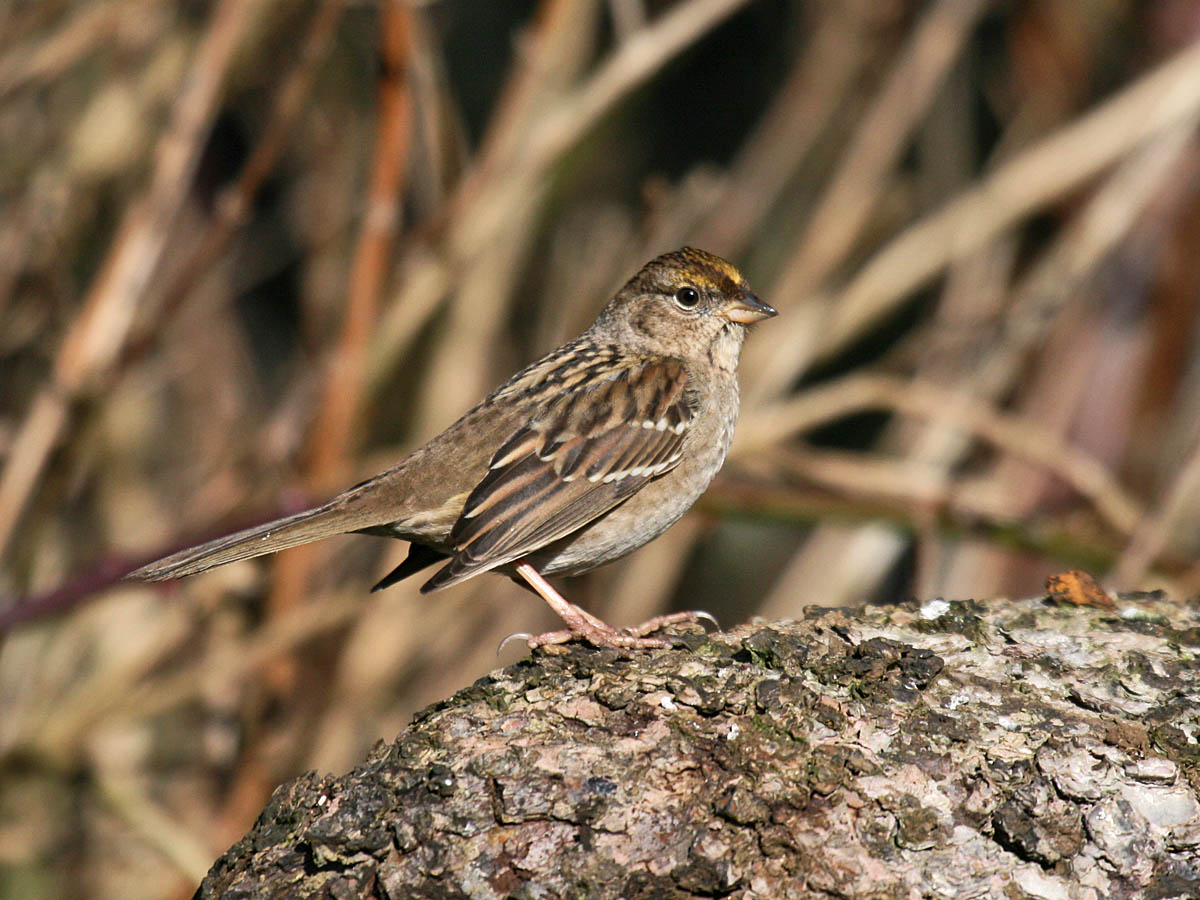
x=581 y=623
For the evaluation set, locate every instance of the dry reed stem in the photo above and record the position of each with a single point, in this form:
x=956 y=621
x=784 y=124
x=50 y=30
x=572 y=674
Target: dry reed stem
x=441 y=144
x=812 y=93
x=156 y=827
x=429 y=272
x=235 y=202
x=564 y=124
x=1049 y=294
x=334 y=434
x=1052 y=168
x=1155 y=531
x=1163 y=100
x=836 y=225
x=464 y=361
x=628 y=17
x=97 y=335
x=1109 y=217
x=333 y=437
x=543 y=68
x=1016 y=436
x=88 y=29
x=879 y=141
x=1102 y=223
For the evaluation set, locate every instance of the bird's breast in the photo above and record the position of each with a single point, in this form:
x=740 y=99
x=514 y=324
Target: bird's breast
x=661 y=502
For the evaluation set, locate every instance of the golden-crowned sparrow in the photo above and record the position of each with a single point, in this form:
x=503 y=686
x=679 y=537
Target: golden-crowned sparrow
x=595 y=449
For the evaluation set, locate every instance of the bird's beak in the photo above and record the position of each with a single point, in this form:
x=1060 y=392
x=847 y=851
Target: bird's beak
x=747 y=309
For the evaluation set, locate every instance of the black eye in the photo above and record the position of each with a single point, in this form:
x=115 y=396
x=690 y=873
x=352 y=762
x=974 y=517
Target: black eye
x=687 y=297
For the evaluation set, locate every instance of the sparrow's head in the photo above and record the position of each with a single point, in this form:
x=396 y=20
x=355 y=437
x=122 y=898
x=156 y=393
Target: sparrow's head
x=687 y=304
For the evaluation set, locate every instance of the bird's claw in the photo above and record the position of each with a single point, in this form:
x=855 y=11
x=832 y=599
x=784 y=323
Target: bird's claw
x=515 y=636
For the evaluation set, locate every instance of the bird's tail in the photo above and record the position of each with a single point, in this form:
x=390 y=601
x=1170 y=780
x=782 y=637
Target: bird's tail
x=340 y=515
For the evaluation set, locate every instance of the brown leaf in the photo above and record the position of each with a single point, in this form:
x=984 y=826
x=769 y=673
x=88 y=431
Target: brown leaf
x=1079 y=589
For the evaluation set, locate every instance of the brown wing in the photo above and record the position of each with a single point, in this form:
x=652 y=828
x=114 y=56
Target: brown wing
x=592 y=448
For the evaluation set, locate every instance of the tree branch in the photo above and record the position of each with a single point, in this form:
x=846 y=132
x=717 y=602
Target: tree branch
x=944 y=751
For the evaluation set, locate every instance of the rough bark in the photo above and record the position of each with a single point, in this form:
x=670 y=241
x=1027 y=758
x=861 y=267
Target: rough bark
x=957 y=750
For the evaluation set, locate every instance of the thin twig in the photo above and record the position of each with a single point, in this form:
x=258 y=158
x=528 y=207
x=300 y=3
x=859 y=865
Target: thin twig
x=856 y=393
x=1154 y=533
x=844 y=210
x=780 y=142
x=157 y=827
x=1040 y=298
x=91 y=28
x=961 y=514
x=630 y=65
x=99 y=332
x=1157 y=103
x=333 y=434
x=879 y=142
x=235 y=201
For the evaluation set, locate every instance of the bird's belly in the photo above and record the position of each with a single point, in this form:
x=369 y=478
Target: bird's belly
x=591 y=546
x=656 y=507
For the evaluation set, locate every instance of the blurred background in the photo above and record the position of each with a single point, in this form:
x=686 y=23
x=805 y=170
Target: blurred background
x=252 y=252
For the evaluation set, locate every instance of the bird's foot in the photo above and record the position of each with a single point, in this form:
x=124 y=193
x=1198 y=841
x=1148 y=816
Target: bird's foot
x=588 y=628
x=582 y=624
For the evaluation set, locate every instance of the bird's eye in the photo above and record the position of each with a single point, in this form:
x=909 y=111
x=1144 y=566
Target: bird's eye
x=687 y=297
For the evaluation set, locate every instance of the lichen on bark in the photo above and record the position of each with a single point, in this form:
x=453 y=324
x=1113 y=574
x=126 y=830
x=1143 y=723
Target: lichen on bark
x=955 y=750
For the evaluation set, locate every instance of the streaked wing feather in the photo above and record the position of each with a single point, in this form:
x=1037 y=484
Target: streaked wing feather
x=593 y=448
